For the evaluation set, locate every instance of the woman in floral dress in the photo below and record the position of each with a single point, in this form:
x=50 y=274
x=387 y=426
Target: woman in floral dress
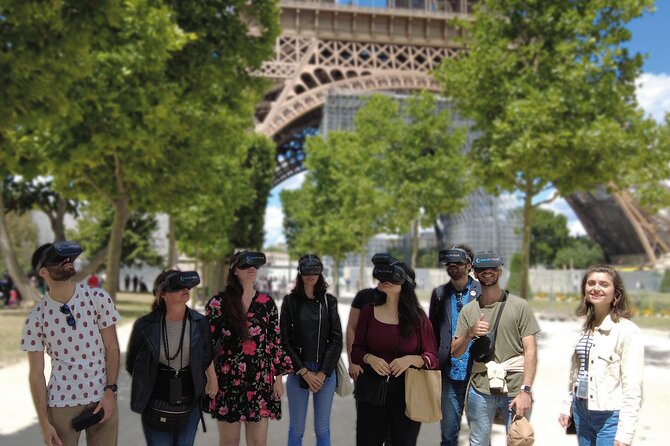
x=245 y=331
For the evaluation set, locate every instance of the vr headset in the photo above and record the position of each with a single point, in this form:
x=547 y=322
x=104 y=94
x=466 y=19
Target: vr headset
x=59 y=252
x=387 y=269
x=310 y=266
x=247 y=260
x=485 y=260
x=454 y=255
x=179 y=280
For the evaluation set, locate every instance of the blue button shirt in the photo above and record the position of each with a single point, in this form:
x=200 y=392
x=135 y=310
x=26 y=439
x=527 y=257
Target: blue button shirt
x=459 y=366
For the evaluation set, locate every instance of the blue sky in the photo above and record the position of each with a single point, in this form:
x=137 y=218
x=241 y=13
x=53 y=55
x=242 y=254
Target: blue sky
x=651 y=36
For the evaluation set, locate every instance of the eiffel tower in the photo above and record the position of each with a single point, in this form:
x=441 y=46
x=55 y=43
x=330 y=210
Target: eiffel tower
x=329 y=46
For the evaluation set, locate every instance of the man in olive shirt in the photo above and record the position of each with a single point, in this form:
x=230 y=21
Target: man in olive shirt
x=515 y=351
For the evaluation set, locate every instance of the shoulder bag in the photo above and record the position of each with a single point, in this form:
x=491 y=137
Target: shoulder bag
x=344 y=385
x=423 y=393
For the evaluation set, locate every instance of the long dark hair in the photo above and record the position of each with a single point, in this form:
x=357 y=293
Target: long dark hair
x=410 y=312
x=232 y=301
x=320 y=287
x=158 y=303
x=620 y=304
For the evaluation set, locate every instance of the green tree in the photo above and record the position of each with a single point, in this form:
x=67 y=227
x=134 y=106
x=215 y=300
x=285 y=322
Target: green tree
x=45 y=49
x=665 y=282
x=514 y=281
x=23 y=233
x=549 y=234
x=579 y=252
x=550 y=90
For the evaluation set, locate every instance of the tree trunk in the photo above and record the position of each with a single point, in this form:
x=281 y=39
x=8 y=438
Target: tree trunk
x=415 y=243
x=121 y=215
x=525 y=247
x=172 y=244
x=93 y=264
x=361 y=264
x=28 y=292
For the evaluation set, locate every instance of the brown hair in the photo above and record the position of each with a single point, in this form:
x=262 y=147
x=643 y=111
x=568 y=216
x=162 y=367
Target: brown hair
x=159 y=304
x=620 y=305
x=232 y=300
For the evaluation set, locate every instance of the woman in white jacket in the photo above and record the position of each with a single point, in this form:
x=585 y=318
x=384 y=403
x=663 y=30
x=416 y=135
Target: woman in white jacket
x=606 y=374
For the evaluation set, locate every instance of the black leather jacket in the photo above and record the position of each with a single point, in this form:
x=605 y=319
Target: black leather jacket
x=144 y=350
x=310 y=331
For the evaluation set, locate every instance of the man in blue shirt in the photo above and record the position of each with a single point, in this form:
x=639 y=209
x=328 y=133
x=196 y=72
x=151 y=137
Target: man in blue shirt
x=446 y=303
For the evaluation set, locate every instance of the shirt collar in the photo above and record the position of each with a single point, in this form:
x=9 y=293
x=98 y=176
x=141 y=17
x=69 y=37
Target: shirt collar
x=606 y=325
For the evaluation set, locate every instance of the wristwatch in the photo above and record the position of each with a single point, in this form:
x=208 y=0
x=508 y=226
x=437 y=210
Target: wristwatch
x=113 y=387
x=525 y=388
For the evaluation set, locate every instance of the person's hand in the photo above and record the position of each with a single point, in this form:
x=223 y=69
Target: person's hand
x=564 y=420
x=312 y=381
x=521 y=403
x=399 y=365
x=355 y=370
x=618 y=443
x=49 y=435
x=480 y=328
x=107 y=404
x=321 y=377
x=379 y=365
x=278 y=387
x=212 y=387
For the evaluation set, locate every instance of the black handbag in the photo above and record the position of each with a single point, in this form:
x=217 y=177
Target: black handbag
x=483 y=348
x=165 y=417
x=371 y=388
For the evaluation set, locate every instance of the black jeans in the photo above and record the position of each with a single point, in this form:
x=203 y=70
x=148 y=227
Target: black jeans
x=373 y=422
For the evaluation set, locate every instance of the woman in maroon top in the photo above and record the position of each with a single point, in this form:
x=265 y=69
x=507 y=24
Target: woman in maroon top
x=390 y=338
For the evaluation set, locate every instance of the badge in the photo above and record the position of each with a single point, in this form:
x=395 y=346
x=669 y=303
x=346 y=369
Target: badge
x=473 y=293
x=582 y=388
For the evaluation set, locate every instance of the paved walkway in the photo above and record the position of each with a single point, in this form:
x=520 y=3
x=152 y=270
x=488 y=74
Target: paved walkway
x=18 y=423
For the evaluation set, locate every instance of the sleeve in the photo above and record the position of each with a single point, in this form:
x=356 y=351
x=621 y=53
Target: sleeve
x=428 y=346
x=462 y=324
x=632 y=361
x=32 y=338
x=213 y=313
x=281 y=361
x=286 y=331
x=334 y=337
x=527 y=324
x=107 y=313
x=360 y=346
x=358 y=300
x=134 y=343
x=433 y=315
x=208 y=349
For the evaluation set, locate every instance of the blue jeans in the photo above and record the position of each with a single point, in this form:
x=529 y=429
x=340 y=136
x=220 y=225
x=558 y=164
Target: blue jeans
x=297 y=407
x=183 y=437
x=453 y=396
x=594 y=427
x=481 y=410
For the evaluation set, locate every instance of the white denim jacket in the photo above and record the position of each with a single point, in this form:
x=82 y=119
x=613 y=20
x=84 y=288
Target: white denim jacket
x=615 y=374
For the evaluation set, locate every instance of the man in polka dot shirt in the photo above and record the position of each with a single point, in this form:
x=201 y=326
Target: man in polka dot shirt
x=76 y=325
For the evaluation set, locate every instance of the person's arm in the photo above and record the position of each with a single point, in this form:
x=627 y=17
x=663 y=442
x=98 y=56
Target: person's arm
x=352 y=323
x=465 y=334
x=112 y=357
x=212 y=386
x=428 y=356
x=433 y=315
x=134 y=343
x=523 y=401
x=632 y=361
x=38 y=389
x=286 y=332
x=334 y=350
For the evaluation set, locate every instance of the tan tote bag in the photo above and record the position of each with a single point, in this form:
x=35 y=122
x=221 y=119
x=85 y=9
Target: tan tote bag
x=423 y=395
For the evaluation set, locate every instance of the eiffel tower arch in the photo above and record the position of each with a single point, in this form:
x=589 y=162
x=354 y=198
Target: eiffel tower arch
x=329 y=46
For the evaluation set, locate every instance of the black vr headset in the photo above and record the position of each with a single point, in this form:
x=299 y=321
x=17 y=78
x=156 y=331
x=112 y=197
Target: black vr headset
x=59 y=252
x=454 y=255
x=248 y=259
x=179 y=280
x=387 y=269
x=310 y=266
x=485 y=260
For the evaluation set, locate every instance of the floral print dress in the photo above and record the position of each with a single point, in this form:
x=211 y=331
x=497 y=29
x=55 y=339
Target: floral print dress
x=246 y=369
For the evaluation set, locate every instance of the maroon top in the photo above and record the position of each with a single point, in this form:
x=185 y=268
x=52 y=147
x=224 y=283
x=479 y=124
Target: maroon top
x=382 y=340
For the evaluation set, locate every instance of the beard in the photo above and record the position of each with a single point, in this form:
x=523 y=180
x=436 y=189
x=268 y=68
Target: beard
x=62 y=272
x=456 y=274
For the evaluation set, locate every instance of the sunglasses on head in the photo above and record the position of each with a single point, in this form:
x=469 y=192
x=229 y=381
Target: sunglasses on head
x=71 y=321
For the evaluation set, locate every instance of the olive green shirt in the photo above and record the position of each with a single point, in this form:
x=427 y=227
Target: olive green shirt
x=516 y=322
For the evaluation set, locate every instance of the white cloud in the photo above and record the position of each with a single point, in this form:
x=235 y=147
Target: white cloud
x=653 y=94
x=560 y=206
x=274 y=229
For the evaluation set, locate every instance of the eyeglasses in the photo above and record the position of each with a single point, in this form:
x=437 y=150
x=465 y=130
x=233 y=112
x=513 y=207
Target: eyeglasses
x=71 y=321
x=459 y=301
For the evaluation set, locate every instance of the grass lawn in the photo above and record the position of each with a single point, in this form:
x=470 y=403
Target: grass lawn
x=130 y=305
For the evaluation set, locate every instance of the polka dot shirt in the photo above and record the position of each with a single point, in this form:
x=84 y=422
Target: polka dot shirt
x=78 y=370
